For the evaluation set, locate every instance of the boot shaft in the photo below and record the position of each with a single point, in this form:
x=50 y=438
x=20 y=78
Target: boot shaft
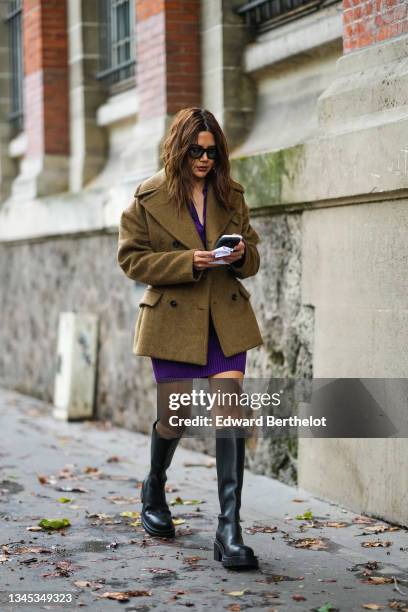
x=230 y=460
x=161 y=455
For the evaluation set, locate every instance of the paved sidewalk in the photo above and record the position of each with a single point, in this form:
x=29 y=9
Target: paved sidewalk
x=304 y=564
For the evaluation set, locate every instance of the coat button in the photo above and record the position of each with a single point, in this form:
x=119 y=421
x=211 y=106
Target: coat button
x=176 y=243
x=173 y=303
x=234 y=296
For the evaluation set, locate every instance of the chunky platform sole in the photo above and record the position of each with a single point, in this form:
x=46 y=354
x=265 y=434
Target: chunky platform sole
x=170 y=533
x=231 y=562
x=155 y=532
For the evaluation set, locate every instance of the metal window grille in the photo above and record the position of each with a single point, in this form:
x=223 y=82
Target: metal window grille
x=117 y=41
x=14 y=22
x=263 y=15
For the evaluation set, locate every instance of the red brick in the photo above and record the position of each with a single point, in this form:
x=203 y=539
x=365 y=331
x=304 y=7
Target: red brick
x=46 y=76
x=372 y=21
x=169 y=55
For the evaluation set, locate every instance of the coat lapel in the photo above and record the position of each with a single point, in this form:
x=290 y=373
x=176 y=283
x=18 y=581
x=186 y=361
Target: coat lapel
x=217 y=218
x=182 y=226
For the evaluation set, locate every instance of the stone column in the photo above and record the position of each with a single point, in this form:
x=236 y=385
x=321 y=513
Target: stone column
x=88 y=140
x=7 y=168
x=44 y=169
x=227 y=91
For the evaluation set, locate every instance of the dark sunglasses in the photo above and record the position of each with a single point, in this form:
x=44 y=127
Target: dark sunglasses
x=196 y=151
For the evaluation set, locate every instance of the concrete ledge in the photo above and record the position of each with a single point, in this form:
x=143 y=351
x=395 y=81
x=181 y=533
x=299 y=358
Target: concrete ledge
x=18 y=146
x=301 y=36
x=120 y=107
x=66 y=214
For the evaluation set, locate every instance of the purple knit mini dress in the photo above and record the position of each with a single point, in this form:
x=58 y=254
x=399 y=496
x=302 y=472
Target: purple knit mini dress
x=165 y=369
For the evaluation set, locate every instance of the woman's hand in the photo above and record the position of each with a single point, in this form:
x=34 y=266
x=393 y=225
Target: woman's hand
x=203 y=259
x=237 y=253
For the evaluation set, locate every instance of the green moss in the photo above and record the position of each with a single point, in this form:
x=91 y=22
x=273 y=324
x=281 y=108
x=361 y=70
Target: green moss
x=267 y=176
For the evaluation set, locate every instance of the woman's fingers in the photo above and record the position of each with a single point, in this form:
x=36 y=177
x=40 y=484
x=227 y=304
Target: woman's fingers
x=203 y=259
x=237 y=253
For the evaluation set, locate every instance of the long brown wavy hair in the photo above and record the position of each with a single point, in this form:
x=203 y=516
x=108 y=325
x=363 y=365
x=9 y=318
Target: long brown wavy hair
x=183 y=132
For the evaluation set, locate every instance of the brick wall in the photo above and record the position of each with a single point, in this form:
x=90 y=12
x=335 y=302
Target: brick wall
x=168 y=55
x=183 y=54
x=46 y=76
x=371 y=21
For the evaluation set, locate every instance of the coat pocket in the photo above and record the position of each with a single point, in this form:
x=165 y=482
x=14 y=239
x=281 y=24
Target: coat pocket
x=150 y=298
x=244 y=292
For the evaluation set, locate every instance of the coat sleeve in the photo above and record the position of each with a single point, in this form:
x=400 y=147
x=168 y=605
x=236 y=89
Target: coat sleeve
x=248 y=265
x=138 y=260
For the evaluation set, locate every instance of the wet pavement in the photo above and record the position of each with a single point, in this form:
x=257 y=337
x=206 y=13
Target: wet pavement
x=313 y=555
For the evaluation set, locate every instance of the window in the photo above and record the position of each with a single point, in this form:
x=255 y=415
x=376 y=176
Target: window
x=264 y=15
x=117 y=43
x=13 y=20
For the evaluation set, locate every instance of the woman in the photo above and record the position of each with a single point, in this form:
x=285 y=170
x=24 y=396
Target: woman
x=195 y=318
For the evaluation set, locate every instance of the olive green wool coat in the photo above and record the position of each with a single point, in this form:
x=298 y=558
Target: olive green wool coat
x=156 y=247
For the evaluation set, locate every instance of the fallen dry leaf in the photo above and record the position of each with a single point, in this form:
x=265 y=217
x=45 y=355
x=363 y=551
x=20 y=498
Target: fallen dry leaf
x=238 y=593
x=234 y=607
x=66 y=472
x=397 y=604
x=335 y=524
x=278 y=578
x=116 y=595
x=90 y=470
x=378 y=580
x=125 y=595
x=64 y=568
x=379 y=529
x=372 y=606
x=311 y=544
x=22 y=550
x=261 y=529
x=363 y=520
x=94 y=585
x=193 y=560
x=178 y=521
x=298 y=598
x=376 y=544
x=130 y=514
x=185 y=502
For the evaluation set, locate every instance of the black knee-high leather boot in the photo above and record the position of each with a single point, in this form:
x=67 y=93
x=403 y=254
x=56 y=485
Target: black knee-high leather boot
x=229 y=547
x=156 y=516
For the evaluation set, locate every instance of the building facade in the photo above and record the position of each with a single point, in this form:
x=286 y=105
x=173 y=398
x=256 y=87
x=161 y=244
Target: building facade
x=312 y=96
